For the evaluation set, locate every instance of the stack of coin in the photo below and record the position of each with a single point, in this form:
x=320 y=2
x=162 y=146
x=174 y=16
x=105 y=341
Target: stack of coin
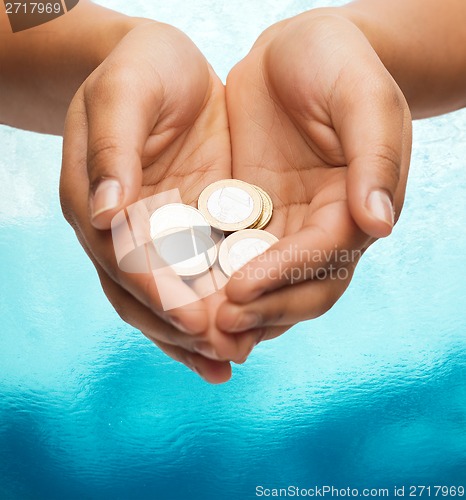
x=267 y=209
x=231 y=205
x=182 y=234
x=243 y=209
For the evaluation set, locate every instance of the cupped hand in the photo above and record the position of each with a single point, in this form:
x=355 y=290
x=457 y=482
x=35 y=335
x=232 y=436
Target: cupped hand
x=318 y=122
x=315 y=119
x=150 y=118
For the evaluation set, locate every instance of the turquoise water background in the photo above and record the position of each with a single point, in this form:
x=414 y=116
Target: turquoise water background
x=373 y=394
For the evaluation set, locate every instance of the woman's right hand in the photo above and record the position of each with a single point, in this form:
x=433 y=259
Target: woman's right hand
x=150 y=118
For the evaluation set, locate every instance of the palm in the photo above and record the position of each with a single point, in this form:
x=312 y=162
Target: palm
x=196 y=150
x=304 y=171
x=305 y=176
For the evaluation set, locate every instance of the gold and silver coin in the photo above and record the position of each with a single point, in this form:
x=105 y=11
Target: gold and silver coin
x=189 y=252
x=240 y=247
x=231 y=205
x=267 y=209
x=181 y=237
x=177 y=216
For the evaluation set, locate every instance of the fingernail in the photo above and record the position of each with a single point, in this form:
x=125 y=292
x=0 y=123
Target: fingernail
x=245 y=321
x=106 y=196
x=206 y=350
x=381 y=207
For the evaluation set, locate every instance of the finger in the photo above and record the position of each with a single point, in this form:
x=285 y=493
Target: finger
x=183 y=348
x=375 y=131
x=133 y=93
x=121 y=114
x=272 y=332
x=251 y=338
x=329 y=241
x=157 y=288
x=174 y=343
x=356 y=114
x=136 y=314
x=212 y=344
x=372 y=120
x=218 y=345
x=214 y=372
x=289 y=305
x=73 y=192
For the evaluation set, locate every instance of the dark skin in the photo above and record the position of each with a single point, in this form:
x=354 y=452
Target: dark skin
x=168 y=147
x=310 y=151
x=316 y=114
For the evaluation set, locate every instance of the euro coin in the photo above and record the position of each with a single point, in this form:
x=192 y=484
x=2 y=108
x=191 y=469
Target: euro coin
x=231 y=205
x=177 y=216
x=189 y=252
x=240 y=247
x=267 y=209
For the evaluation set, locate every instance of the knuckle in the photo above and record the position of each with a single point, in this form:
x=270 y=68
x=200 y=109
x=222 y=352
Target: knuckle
x=390 y=158
x=394 y=99
x=317 y=304
x=101 y=152
x=64 y=195
x=242 y=358
x=243 y=354
x=122 y=307
x=171 y=351
x=113 y=272
x=381 y=86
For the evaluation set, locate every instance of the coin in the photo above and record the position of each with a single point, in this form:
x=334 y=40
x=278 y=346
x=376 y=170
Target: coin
x=230 y=205
x=267 y=209
x=240 y=247
x=189 y=252
x=177 y=216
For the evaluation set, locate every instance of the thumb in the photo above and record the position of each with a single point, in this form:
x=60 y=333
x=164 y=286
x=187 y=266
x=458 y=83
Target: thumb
x=375 y=133
x=119 y=125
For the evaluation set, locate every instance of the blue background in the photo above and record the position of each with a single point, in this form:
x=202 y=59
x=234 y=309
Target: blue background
x=373 y=394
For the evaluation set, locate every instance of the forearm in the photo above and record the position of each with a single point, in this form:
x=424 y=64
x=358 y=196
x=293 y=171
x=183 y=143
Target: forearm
x=423 y=45
x=41 y=68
